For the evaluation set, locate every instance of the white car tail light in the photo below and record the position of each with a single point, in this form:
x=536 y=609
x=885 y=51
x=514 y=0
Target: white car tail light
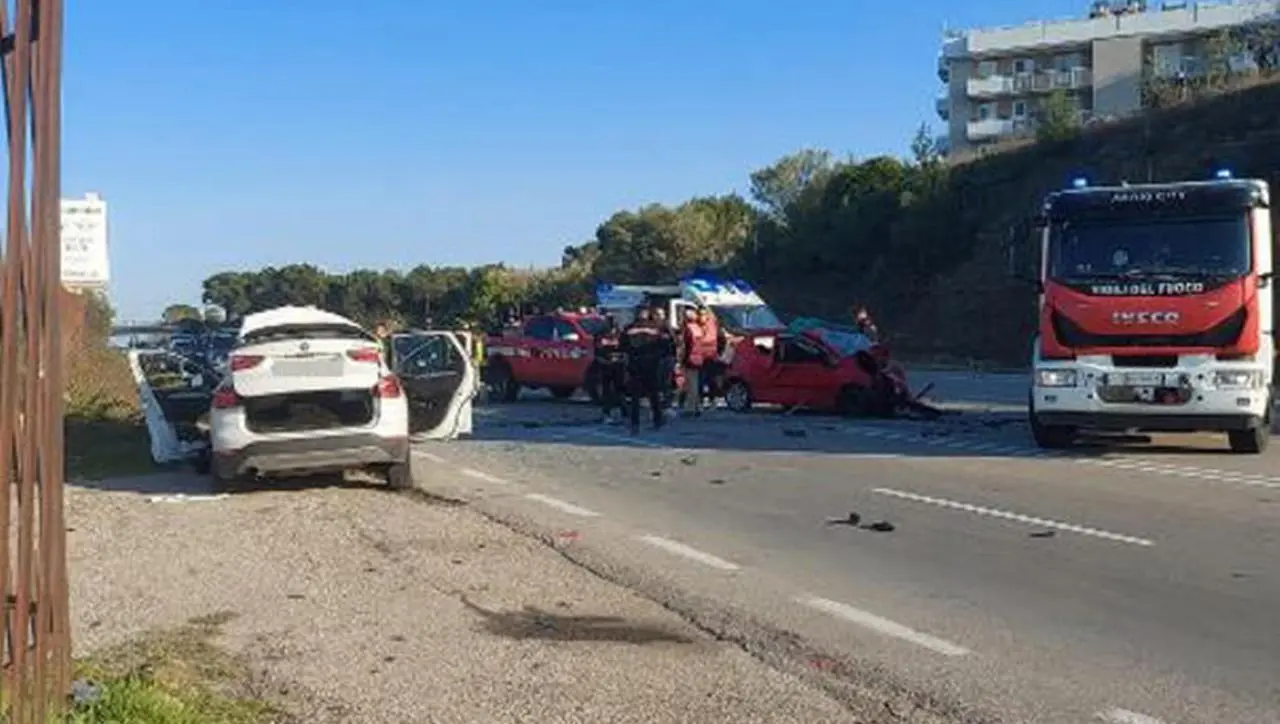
x=240 y=362
x=388 y=388
x=364 y=354
x=225 y=397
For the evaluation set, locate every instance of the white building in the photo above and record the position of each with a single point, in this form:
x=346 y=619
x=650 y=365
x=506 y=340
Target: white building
x=997 y=78
x=85 y=262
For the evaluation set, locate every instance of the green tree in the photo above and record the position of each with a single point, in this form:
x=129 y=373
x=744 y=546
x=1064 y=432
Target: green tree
x=1059 y=118
x=776 y=188
x=175 y=313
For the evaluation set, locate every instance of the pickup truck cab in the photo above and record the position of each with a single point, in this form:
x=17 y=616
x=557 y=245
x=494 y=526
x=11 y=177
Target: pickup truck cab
x=553 y=351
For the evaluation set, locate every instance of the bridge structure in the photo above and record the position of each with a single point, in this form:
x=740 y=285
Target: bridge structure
x=130 y=328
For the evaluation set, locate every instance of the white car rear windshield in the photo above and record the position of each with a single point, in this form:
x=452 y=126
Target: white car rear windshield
x=306 y=331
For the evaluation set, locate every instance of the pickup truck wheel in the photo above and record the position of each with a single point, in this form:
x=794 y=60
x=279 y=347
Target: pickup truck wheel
x=591 y=384
x=737 y=395
x=502 y=382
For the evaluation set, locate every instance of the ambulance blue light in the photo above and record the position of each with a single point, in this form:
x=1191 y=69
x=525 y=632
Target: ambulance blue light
x=1079 y=183
x=1223 y=174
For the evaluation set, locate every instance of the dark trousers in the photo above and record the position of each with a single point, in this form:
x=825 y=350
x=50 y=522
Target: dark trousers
x=612 y=387
x=644 y=381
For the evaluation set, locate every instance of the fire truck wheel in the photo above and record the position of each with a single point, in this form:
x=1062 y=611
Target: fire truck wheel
x=1051 y=437
x=1250 y=442
x=737 y=395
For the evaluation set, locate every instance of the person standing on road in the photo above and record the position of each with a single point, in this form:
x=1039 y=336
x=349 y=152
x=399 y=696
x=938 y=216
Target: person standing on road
x=865 y=324
x=382 y=334
x=667 y=372
x=612 y=364
x=695 y=350
x=643 y=348
x=712 y=347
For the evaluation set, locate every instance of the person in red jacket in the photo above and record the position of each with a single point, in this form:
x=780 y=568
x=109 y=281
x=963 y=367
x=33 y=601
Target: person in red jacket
x=692 y=358
x=709 y=341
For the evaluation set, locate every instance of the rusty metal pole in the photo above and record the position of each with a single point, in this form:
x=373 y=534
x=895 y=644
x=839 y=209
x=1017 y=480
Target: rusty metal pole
x=33 y=568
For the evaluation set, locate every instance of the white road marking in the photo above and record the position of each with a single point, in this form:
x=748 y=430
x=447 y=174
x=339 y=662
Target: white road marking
x=480 y=475
x=562 y=506
x=692 y=554
x=624 y=439
x=430 y=456
x=1124 y=716
x=185 y=498
x=1015 y=517
x=883 y=626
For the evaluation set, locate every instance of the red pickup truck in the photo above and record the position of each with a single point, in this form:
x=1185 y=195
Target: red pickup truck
x=555 y=351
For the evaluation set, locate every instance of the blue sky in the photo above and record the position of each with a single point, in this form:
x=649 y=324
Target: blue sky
x=233 y=134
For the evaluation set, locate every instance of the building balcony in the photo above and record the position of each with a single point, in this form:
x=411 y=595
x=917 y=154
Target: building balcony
x=944 y=69
x=1042 y=82
x=994 y=128
x=943 y=105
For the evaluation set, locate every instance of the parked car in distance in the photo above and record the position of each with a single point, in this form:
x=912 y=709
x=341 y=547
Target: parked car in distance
x=308 y=391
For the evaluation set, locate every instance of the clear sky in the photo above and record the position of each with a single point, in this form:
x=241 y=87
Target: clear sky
x=233 y=134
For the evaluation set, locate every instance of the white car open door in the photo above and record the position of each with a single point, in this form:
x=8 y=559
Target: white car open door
x=439 y=381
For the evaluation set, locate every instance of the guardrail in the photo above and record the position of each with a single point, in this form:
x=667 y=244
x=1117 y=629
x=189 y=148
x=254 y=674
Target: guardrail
x=165 y=446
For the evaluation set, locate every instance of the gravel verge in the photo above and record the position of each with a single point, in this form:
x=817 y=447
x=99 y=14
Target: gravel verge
x=358 y=605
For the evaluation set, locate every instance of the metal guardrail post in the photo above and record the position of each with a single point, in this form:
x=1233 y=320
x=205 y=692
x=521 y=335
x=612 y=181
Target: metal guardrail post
x=33 y=566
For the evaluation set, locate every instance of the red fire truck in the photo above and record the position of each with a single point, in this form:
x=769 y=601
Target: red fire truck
x=1155 y=311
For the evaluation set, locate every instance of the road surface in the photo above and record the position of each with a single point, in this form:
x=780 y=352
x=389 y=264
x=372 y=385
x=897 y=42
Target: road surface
x=1132 y=583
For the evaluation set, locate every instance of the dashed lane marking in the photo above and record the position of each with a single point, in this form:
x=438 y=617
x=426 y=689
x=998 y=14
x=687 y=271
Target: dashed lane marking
x=430 y=456
x=1142 y=465
x=562 y=506
x=1015 y=517
x=481 y=475
x=692 y=554
x=883 y=625
x=1124 y=716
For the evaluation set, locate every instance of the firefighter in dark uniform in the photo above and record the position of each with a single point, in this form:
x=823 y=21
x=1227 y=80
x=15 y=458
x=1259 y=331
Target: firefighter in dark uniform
x=644 y=346
x=612 y=363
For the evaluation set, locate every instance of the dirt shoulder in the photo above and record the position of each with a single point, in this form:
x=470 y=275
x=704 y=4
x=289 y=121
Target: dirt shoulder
x=353 y=604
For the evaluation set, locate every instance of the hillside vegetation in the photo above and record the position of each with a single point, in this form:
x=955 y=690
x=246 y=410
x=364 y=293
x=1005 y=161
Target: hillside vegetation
x=923 y=243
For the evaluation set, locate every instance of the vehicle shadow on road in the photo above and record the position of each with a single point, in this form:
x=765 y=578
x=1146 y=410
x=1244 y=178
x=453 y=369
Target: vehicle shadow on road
x=186 y=482
x=533 y=623
x=985 y=435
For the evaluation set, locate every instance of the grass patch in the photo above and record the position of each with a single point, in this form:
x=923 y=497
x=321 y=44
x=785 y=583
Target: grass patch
x=105 y=433
x=98 y=449
x=167 y=381
x=177 y=676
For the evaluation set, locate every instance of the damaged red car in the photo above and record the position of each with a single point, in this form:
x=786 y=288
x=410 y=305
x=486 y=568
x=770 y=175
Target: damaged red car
x=801 y=370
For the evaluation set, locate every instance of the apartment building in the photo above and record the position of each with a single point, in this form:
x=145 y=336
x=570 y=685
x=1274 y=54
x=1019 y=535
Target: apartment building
x=997 y=78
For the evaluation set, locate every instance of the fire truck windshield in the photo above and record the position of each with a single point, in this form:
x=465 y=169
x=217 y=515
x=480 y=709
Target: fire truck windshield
x=747 y=317
x=1215 y=247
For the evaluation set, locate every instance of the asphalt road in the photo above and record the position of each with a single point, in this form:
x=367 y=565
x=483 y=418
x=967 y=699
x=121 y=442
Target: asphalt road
x=1133 y=582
